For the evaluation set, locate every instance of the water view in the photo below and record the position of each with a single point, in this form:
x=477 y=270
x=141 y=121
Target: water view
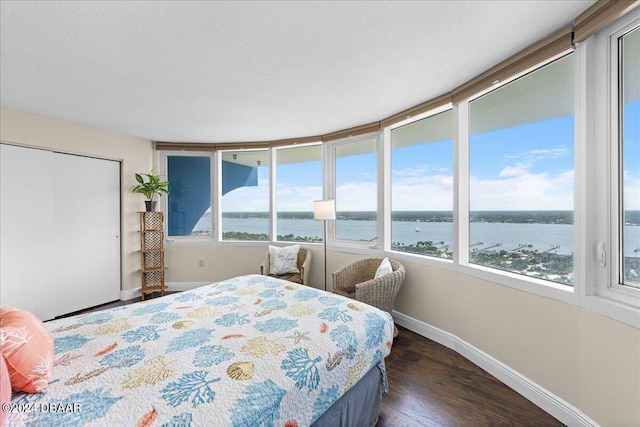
x=534 y=243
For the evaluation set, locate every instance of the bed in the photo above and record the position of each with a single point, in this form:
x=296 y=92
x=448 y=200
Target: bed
x=249 y=351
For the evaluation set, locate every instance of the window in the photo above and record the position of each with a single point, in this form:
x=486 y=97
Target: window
x=521 y=175
x=629 y=143
x=614 y=231
x=245 y=195
x=356 y=190
x=422 y=186
x=189 y=201
x=298 y=184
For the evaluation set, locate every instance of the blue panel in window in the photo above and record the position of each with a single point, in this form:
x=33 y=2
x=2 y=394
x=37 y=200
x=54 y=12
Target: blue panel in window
x=235 y=176
x=190 y=199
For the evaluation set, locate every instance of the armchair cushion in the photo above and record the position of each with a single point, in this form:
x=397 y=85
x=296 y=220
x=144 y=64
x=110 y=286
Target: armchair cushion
x=360 y=280
x=357 y=280
x=284 y=260
x=384 y=268
x=303 y=265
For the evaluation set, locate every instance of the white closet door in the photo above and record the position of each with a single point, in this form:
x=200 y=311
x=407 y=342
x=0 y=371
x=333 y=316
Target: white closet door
x=27 y=251
x=87 y=232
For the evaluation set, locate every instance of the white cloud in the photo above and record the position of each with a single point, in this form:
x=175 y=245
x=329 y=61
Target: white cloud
x=291 y=198
x=517 y=189
x=541 y=154
x=631 y=191
x=518 y=170
x=523 y=192
x=425 y=193
x=357 y=196
x=256 y=198
x=248 y=199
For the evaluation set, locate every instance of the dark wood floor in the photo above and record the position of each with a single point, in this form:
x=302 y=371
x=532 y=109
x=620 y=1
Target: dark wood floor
x=431 y=385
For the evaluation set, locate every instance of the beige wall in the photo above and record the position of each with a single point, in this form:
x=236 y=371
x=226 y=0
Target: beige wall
x=135 y=154
x=219 y=262
x=223 y=262
x=586 y=359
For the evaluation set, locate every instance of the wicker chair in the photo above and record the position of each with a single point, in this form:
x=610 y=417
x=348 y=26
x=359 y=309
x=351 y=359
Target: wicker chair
x=304 y=265
x=357 y=281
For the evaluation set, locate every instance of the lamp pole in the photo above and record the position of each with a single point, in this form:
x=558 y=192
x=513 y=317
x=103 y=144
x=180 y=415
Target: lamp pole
x=324 y=210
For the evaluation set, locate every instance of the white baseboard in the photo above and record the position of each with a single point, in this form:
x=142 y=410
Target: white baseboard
x=129 y=294
x=170 y=286
x=549 y=402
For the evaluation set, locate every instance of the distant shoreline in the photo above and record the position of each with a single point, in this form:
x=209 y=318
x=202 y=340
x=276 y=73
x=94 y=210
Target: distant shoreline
x=632 y=217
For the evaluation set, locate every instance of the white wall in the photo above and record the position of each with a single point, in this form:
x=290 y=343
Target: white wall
x=32 y=130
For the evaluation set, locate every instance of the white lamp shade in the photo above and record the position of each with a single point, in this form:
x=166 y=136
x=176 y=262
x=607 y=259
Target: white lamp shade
x=324 y=209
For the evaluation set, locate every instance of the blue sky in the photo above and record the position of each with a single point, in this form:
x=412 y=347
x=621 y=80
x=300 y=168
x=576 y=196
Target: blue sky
x=632 y=156
x=299 y=184
x=528 y=167
x=422 y=177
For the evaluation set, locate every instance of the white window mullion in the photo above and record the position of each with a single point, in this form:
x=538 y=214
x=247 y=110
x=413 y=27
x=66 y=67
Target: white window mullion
x=218 y=197
x=273 y=203
x=598 y=136
x=584 y=203
x=461 y=184
x=612 y=114
x=385 y=202
x=329 y=185
x=216 y=171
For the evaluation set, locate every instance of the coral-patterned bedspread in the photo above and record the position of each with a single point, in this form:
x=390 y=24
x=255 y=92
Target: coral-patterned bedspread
x=248 y=351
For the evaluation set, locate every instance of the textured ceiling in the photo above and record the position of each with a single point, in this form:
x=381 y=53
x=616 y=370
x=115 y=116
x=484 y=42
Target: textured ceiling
x=252 y=71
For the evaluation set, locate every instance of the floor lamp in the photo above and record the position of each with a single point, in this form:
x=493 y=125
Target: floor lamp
x=324 y=210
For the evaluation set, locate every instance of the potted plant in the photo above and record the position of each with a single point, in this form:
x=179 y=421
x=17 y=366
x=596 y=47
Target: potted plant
x=151 y=186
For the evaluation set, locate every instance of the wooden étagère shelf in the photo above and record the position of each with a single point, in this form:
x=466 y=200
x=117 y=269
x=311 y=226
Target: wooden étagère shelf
x=152 y=252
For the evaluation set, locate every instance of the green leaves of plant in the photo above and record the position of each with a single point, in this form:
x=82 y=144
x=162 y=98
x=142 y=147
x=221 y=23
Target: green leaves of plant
x=152 y=186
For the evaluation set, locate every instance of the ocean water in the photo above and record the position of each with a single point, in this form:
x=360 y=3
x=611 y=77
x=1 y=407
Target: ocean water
x=556 y=238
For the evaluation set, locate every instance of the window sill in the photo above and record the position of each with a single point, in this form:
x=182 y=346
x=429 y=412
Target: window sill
x=531 y=285
x=615 y=310
x=189 y=241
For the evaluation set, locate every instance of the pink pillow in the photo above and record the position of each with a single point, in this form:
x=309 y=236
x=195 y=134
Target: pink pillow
x=5 y=388
x=27 y=349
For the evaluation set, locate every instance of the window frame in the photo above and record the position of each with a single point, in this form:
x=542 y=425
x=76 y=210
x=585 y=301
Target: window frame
x=331 y=190
x=274 y=188
x=616 y=142
x=461 y=220
x=608 y=295
x=387 y=154
x=462 y=251
x=218 y=198
x=164 y=201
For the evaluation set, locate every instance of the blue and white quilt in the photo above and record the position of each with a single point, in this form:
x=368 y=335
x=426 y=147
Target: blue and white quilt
x=248 y=351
